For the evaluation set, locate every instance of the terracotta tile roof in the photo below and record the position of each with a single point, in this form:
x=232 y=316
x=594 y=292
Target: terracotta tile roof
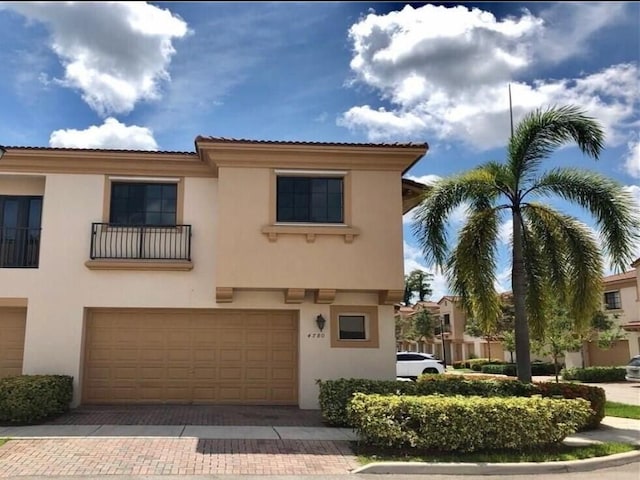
x=427 y=304
x=630 y=275
x=201 y=138
x=115 y=150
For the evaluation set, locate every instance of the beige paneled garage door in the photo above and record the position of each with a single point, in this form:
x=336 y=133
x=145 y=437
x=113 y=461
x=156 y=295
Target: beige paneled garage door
x=617 y=355
x=12 y=324
x=190 y=356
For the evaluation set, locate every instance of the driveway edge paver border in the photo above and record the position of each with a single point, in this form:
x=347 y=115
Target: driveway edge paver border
x=585 y=465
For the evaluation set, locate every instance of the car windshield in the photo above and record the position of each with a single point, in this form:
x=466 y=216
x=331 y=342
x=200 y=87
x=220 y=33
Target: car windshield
x=635 y=362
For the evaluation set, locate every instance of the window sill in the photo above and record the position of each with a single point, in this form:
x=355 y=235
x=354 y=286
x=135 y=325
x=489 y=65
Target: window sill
x=159 y=265
x=354 y=344
x=310 y=231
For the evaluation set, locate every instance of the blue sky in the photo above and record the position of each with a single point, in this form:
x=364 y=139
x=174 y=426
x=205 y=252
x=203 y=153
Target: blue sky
x=154 y=76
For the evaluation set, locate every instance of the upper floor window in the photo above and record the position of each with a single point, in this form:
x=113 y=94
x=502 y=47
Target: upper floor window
x=310 y=199
x=143 y=203
x=612 y=301
x=447 y=319
x=20 y=218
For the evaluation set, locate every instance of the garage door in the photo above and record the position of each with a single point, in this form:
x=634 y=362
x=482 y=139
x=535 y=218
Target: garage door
x=12 y=324
x=190 y=356
x=617 y=355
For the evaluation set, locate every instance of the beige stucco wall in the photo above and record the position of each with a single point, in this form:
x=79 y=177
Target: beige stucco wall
x=245 y=258
x=12 y=184
x=62 y=287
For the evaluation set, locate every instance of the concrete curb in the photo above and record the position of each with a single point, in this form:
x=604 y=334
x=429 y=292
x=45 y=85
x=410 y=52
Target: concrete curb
x=586 y=465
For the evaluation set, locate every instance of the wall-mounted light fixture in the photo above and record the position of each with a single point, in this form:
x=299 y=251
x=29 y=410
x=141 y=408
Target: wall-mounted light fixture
x=320 y=321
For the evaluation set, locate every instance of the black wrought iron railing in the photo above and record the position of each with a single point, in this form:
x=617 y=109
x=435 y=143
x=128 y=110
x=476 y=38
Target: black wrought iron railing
x=445 y=328
x=140 y=242
x=19 y=247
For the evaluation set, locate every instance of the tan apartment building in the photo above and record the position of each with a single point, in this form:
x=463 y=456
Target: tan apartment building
x=239 y=273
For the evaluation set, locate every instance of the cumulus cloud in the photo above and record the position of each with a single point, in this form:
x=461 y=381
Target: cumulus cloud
x=444 y=72
x=115 y=53
x=111 y=134
x=505 y=232
x=632 y=159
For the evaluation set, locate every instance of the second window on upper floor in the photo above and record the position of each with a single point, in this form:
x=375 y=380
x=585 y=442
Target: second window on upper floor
x=143 y=204
x=310 y=199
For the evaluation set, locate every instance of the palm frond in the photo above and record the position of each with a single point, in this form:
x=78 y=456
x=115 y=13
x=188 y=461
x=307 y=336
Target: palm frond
x=565 y=240
x=613 y=208
x=546 y=227
x=543 y=131
x=537 y=278
x=431 y=216
x=471 y=266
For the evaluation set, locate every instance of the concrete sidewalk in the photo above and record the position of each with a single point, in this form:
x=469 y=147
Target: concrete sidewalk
x=211 y=432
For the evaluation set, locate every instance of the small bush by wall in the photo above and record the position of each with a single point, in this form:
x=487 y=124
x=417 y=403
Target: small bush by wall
x=28 y=399
x=507 y=369
x=595 y=374
x=544 y=368
x=477 y=363
x=464 y=424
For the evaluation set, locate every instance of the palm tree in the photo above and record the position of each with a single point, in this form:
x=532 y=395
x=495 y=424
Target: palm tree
x=552 y=252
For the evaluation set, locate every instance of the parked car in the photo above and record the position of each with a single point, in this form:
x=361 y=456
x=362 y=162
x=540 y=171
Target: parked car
x=633 y=369
x=413 y=364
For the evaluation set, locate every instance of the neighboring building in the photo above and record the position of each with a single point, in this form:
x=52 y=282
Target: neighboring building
x=169 y=277
x=621 y=302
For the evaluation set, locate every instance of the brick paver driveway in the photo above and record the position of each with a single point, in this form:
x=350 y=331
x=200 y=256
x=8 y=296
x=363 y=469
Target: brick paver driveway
x=86 y=456
x=282 y=416
x=163 y=456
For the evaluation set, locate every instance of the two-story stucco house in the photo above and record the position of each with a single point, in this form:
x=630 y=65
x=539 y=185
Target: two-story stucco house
x=239 y=274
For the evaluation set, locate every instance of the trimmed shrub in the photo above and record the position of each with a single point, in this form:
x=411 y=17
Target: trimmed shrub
x=477 y=363
x=464 y=424
x=594 y=395
x=458 y=364
x=508 y=369
x=28 y=399
x=595 y=374
x=544 y=368
x=335 y=394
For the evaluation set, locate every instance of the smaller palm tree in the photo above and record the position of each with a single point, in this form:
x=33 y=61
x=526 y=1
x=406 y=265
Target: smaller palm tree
x=554 y=254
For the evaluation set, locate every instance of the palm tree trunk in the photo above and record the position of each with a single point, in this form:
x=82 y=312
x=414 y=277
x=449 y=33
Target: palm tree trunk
x=519 y=286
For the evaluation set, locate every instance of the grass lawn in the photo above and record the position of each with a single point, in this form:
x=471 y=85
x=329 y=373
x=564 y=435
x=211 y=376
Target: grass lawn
x=614 y=409
x=3 y=441
x=551 y=454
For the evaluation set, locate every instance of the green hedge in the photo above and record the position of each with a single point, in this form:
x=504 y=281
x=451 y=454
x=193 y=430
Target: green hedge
x=28 y=399
x=508 y=369
x=464 y=424
x=537 y=368
x=335 y=394
x=595 y=374
x=458 y=364
x=477 y=363
x=594 y=395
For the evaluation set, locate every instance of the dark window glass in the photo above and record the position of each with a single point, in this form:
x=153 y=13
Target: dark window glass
x=403 y=357
x=351 y=327
x=447 y=319
x=612 y=300
x=143 y=203
x=20 y=218
x=634 y=362
x=310 y=199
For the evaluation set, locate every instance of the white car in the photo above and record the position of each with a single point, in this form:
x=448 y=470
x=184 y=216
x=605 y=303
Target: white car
x=414 y=364
x=633 y=370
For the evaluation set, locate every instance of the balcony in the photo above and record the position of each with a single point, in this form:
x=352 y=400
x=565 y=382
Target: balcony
x=444 y=328
x=19 y=247
x=140 y=247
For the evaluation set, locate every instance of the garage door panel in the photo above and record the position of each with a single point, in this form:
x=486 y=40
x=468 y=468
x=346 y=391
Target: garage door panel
x=191 y=356
x=12 y=327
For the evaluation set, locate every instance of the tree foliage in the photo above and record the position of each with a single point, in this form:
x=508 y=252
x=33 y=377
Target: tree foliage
x=418 y=282
x=553 y=254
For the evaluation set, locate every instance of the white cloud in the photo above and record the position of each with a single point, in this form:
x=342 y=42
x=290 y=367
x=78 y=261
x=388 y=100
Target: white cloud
x=632 y=159
x=505 y=232
x=444 y=72
x=115 y=53
x=111 y=134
